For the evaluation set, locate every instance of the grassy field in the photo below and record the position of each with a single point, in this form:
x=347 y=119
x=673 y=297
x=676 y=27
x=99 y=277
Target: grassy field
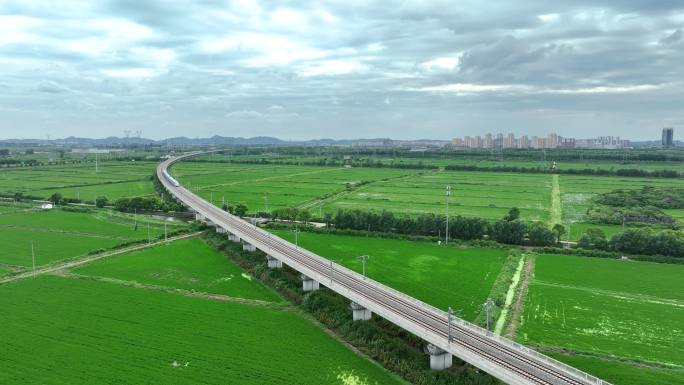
x=620 y=373
x=439 y=275
x=58 y=234
x=113 y=180
x=187 y=264
x=96 y=333
x=265 y=188
x=481 y=194
x=626 y=309
x=480 y=161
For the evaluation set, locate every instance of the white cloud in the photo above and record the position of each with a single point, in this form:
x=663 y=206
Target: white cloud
x=549 y=17
x=132 y=73
x=332 y=68
x=288 y=18
x=447 y=63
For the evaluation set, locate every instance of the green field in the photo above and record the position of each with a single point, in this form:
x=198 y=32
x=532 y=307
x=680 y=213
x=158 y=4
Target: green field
x=487 y=161
x=441 y=276
x=103 y=333
x=58 y=234
x=186 y=264
x=626 y=309
x=81 y=181
x=620 y=373
x=265 y=188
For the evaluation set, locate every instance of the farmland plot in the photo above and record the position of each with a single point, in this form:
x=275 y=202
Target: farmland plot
x=97 y=332
x=441 y=276
x=186 y=264
x=626 y=309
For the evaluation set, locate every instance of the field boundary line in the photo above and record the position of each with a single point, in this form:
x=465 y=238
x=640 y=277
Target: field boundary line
x=91 y=258
x=607 y=357
x=184 y=292
x=46 y=230
x=614 y=293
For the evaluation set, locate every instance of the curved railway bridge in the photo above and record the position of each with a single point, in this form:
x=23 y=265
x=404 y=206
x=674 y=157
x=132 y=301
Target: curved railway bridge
x=498 y=356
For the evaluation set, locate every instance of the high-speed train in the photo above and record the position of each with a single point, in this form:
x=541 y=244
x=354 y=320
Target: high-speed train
x=171 y=179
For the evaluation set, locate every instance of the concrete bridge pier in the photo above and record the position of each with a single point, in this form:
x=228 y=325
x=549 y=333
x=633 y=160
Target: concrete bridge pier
x=309 y=284
x=360 y=313
x=248 y=247
x=220 y=230
x=274 y=263
x=439 y=358
x=233 y=237
x=199 y=217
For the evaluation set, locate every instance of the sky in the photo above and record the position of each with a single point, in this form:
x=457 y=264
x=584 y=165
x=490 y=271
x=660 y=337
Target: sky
x=341 y=69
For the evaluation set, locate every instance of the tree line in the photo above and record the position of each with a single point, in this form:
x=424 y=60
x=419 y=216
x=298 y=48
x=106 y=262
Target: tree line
x=636 y=241
x=631 y=172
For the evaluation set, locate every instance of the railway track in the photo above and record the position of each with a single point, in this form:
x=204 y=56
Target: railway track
x=498 y=356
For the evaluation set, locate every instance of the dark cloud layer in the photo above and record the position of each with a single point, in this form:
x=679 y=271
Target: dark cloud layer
x=341 y=69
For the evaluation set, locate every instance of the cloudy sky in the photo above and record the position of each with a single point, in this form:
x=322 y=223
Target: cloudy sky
x=347 y=69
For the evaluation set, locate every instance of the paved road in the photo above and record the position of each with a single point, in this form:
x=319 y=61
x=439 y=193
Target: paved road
x=502 y=358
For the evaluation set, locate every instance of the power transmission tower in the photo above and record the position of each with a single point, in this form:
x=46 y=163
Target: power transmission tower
x=488 y=310
x=363 y=264
x=33 y=260
x=448 y=196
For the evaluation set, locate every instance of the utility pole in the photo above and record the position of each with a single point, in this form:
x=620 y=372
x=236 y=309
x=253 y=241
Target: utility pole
x=488 y=310
x=446 y=233
x=33 y=260
x=211 y=199
x=266 y=202
x=296 y=231
x=450 y=314
x=332 y=261
x=363 y=264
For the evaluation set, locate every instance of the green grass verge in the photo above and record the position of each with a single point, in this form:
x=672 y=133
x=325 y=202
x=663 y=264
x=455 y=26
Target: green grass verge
x=186 y=264
x=103 y=333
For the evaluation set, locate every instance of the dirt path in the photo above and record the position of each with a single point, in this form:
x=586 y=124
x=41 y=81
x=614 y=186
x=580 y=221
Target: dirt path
x=517 y=308
x=184 y=292
x=510 y=294
x=91 y=258
x=556 y=214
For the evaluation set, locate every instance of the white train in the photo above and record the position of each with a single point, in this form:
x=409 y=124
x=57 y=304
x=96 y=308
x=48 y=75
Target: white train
x=170 y=179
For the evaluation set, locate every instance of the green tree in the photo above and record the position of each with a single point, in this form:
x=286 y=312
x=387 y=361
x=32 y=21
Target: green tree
x=240 y=210
x=511 y=232
x=305 y=216
x=559 y=230
x=513 y=214
x=29 y=151
x=56 y=198
x=539 y=235
x=593 y=238
x=101 y=201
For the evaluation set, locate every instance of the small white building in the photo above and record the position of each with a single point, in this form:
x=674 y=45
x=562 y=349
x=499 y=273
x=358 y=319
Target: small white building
x=46 y=206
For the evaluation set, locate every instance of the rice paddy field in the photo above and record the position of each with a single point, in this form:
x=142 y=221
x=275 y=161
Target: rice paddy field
x=81 y=181
x=324 y=189
x=489 y=161
x=59 y=330
x=265 y=188
x=186 y=264
x=441 y=276
x=481 y=194
x=620 y=310
x=57 y=234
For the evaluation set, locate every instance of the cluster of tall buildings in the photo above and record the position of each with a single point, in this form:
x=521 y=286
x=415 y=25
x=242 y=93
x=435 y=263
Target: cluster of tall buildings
x=551 y=140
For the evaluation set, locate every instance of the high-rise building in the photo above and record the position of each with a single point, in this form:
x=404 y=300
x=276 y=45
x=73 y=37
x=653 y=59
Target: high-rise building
x=667 y=139
x=488 y=141
x=509 y=141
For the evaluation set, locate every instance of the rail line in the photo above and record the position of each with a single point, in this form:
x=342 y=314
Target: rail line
x=500 y=357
